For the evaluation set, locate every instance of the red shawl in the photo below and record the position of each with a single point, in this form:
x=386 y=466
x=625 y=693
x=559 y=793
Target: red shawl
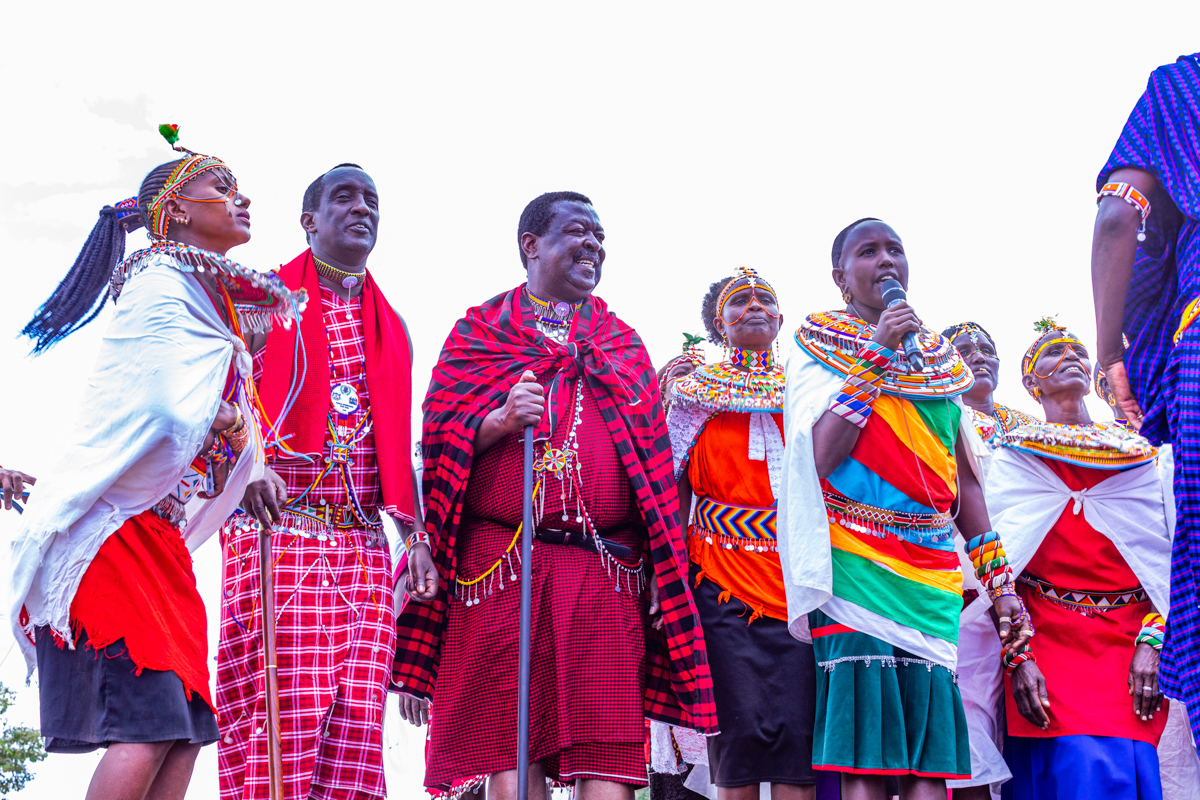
x=481 y=359
x=389 y=382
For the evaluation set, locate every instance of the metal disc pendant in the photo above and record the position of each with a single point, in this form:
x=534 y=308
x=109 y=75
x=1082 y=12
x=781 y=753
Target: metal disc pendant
x=344 y=398
x=561 y=309
x=350 y=281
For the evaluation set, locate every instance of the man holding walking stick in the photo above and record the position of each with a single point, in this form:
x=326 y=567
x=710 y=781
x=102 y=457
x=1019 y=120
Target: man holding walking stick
x=615 y=636
x=339 y=462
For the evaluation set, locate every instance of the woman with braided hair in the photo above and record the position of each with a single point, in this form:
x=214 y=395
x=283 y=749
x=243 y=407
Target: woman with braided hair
x=1080 y=507
x=727 y=435
x=104 y=601
x=881 y=466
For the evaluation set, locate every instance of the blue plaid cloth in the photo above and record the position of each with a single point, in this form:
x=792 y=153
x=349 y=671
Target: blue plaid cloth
x=1162 y=136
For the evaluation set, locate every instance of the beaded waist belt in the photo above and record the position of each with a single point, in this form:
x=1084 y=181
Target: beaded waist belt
x=731 y=527
x=882 y=521
x=1084 y=602
x=327 y=522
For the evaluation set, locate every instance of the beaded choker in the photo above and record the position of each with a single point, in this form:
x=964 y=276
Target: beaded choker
x=724 y=387
x=1104 y=445
x=556 y=316
x=347 y=279
x=834 y=338
x=753 y=360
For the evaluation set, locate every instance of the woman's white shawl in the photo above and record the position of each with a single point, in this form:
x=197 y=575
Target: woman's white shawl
x=149 y=404
x=803 y=525
x=1025 y=498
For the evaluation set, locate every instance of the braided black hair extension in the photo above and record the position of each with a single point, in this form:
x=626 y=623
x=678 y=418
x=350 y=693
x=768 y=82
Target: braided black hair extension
x=80 y=296
x=708 y=309
x=840 y=240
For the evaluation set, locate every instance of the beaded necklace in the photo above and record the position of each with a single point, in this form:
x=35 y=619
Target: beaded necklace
x=258 y=297
x=348 y=280
x=554 y=321
x=724 y=387
x=991 y=428
x=1104 y=445
x=834 y=338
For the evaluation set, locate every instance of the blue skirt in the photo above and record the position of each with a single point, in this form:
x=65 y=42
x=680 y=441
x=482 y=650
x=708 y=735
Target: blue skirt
x=1083 y=768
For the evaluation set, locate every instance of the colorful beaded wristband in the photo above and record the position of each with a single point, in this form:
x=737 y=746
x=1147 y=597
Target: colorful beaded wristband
x=415 y=538
x=239 y=435
x=991 y=563
x=1153 y=631
x=1130 y=195
x=1010 y=663
x=854 y=402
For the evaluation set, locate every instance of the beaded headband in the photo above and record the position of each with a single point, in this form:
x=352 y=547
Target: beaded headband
x=972 y=330
x=189 y=168
x=753 y=282
x=1044 y=326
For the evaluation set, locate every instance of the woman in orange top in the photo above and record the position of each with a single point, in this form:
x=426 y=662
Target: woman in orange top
x=727 y=433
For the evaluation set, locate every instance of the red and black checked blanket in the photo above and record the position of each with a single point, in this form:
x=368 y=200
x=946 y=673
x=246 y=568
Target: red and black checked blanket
x=484 y=355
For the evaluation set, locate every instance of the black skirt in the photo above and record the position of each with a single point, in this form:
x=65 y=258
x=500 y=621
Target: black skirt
x=92 y=699
x=764 y=684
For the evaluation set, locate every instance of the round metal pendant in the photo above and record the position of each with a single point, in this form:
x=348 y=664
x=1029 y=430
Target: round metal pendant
x=344 y=398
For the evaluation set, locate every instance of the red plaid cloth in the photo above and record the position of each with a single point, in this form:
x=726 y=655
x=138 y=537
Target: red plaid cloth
x=335 y=632
x=589 y=641
x=347 y=363
x=483 y=356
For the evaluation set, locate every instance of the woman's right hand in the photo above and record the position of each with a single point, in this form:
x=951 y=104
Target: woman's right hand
x=894 y=322
x=12 y=484
x=1029 y=690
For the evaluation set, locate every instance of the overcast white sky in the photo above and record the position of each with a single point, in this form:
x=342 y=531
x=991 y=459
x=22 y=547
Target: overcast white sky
x=709 y=135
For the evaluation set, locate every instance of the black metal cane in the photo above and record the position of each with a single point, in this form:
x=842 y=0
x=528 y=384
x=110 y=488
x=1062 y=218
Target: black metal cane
x=526 y=621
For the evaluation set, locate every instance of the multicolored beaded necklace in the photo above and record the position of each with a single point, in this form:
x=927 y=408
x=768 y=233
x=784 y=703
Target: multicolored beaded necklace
x=724 y=387
x=834 y=338
x=1104 y=445
x=553 y=320
x=992 y=428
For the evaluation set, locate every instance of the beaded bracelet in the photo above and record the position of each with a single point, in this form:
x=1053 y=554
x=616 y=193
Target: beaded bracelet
x=239 y=435
x=1131 y=195
x=415 y=538
x=1011 y=662
x=1154 y=629
x=991 y=563
x=857 y=397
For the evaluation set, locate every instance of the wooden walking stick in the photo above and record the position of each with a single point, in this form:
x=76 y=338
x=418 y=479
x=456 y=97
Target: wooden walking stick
x=266 y=582
x=526 y=621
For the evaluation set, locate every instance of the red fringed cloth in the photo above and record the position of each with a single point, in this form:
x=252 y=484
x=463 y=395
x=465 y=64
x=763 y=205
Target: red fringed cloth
x=482 y=358
x=140 y=587
x=389 y=382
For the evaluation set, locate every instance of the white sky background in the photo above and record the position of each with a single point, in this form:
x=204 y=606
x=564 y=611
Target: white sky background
x=708 y=135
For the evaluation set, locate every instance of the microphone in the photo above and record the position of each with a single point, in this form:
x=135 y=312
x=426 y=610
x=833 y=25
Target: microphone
x=893 y=293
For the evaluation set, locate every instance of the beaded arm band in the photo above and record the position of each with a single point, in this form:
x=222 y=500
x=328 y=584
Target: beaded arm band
x=857 y=397
x=415 y=538
x=1154 y=628
x=1010 y=663
x=1130 y=195
x=991 y=564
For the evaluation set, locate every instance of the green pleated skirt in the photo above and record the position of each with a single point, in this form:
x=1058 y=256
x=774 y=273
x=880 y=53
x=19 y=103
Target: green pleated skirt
x=882 y=710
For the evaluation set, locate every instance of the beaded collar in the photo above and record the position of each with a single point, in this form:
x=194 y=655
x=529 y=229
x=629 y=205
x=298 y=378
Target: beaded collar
x=259 y=297
x=834 y=338
x=753 y=360
x=1104 y=445
x=724 y=387
x=1007 y=419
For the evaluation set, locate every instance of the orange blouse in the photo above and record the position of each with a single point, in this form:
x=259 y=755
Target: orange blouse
x=720 y=469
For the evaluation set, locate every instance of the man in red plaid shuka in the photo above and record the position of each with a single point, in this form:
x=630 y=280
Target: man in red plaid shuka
x=341 y=391
x=615 y=633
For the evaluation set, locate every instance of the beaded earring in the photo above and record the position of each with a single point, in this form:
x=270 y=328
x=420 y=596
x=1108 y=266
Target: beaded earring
x=847 y=297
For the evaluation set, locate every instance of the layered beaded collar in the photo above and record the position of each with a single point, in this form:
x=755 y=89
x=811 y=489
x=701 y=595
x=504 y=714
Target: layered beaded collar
x=991 y=429
x=753 y=360
x=724 y=387
x=260 y=298
x=553 y=320
x=1103 y=445
x=834 y=338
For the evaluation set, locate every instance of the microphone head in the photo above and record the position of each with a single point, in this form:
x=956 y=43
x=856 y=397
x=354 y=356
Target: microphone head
x=893 y=292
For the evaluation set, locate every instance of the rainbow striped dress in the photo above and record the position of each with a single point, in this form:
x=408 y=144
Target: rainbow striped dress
x=886 y=633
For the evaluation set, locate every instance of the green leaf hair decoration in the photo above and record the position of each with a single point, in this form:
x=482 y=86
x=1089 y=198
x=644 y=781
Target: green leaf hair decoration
x=170 y=133
x=691 y=340
x=1047 y=324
